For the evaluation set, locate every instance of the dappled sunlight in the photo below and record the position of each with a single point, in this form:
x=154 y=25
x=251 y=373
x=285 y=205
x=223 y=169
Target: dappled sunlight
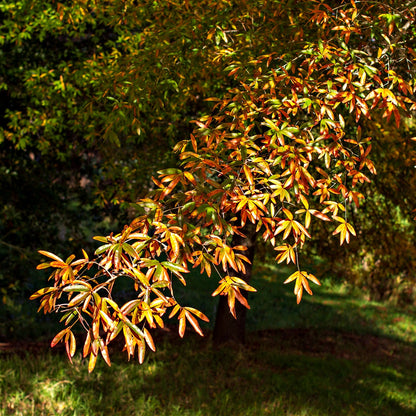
x=286 y=372
x=273 y=308
x=334 y=354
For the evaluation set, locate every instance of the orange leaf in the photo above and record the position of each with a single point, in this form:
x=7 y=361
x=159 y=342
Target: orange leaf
x=192 y=320
x=59 y=336
x=70 y=346
x=104 y=353
x=197 y=313
x=170 y=187
x=248 y=174
x=182 y=326
x=87 y=345
x=231 y=302
x=241 y=298
x=149 y=339
x=219 y=289
x=51 y=255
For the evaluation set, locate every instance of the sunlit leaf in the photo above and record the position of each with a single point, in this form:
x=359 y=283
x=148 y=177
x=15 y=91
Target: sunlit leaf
x=58 y=337
x=42 y=292
x=51 y=255
x=92 y=361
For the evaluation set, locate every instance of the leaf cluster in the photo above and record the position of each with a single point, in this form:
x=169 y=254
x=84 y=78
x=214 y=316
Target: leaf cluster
x=285 y=146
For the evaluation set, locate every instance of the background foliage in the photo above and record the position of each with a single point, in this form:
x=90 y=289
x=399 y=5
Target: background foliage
x=95 y=94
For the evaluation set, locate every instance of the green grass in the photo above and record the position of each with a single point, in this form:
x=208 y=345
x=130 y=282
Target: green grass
x=335 y=305
x=334 y=354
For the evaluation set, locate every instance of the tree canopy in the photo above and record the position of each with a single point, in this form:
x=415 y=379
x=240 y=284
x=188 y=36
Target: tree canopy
x=286 y=145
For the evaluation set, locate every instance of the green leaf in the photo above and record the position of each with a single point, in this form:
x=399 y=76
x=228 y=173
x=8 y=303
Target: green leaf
x=130 y=250
x=77 y=299
x=159 y=285
x=188 y=206
x=102 y=249
x=170 y=171
x=76 y=288
x=174 y=267
x=136 y=331
x=69 y=316
x=150 y=263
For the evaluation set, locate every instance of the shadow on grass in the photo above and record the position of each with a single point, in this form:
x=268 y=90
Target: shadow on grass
x=332 y=306
x=331 y=355
x=274 y=307
x=294 y=372
x=283 y=372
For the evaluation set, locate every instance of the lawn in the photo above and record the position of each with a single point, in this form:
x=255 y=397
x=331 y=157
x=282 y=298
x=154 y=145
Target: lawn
x=334 y=354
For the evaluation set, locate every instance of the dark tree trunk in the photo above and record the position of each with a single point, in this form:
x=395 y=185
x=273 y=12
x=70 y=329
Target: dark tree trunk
x=227 y=328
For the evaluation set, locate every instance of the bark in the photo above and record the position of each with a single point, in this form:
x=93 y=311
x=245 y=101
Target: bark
x=227 y=328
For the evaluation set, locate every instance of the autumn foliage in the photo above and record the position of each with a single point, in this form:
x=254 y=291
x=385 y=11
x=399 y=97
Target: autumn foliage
x=284 y=149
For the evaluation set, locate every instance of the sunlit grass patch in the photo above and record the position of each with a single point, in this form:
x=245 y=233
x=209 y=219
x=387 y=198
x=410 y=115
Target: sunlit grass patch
x=334 y=354
x=334 y=305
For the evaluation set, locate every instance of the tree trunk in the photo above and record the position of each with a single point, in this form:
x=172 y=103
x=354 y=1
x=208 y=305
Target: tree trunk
x=227 y=328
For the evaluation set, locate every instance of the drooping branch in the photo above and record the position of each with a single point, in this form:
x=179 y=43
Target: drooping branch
x=281 y=149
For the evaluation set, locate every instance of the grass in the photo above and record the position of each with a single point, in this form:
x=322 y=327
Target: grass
x=335 y=305
x=334 y=354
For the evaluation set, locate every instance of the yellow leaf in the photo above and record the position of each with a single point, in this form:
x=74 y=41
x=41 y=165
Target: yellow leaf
x=301 y=283
x=43 y=266
x=236 y=281
x=190 y=177
x=42 y=292
x=73 y=345
x=307 y=219
x=174 y=248
x=219 y=289
x=288 y=230
x=299 y=295
x=291 y=278
x=304 y=201
x=174 y=310
x=288 y=214
x=92 y=362
x=351 y=229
